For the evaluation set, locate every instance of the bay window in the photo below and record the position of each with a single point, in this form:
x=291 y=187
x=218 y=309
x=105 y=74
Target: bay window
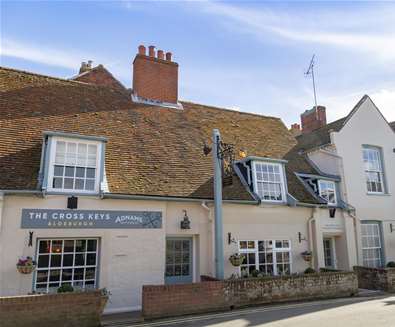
x=269 y=257
x=269 y=181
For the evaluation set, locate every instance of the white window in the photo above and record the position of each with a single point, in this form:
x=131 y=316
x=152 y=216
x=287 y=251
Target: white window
x=269 y=181
x=327 y=191
x=373 y=169
x=371 y=245
x=74 y=166
x=66 y=261
x=269 y=257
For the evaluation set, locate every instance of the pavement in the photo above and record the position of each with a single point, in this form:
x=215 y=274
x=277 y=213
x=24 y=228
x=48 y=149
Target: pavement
x=368 y=311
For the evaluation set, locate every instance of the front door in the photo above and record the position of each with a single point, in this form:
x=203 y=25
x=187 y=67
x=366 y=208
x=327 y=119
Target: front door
x=178 y=260
x=329 y=253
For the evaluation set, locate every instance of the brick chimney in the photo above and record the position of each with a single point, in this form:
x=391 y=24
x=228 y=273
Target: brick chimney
x=155 y=77
x=295 y=130
x=313 y=119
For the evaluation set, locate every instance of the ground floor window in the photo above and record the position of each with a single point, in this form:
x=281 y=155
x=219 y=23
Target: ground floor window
x=270 y=257
x=66 y=261
x=371 y=245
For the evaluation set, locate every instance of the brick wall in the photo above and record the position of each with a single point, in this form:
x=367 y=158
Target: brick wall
x=48 y=310
x=100 y=76
x=376 y=278
x=171 y=300
x=313 y=119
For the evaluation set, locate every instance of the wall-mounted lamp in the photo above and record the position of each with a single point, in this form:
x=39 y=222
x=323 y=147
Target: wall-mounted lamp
x=185 y=223
x=72 y=202
x=301 y=238
x=391 y=228
x=332 y=212
x=30 y=244
x=231 y=239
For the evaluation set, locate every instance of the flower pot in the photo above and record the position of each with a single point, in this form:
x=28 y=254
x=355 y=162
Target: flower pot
x=25 y=269
x=236 y=261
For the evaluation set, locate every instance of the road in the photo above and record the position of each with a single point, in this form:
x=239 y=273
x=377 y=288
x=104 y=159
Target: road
x=350 y=312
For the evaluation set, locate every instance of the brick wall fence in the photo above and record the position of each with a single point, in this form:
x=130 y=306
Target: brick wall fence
x=376 y=278
x=171 y=300
x=48 y=310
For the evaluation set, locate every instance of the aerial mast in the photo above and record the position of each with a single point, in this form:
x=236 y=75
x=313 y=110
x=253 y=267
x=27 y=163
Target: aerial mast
x=310 y=71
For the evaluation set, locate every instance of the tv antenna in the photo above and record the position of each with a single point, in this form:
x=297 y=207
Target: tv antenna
x=310 y=71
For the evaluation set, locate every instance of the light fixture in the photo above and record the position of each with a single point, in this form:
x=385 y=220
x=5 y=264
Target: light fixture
x=332 y=212
x=185 y=222
x=391 y=228
x=72 y=202
x=30 y=244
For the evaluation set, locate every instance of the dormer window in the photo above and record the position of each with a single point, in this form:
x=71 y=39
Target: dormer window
x=75 y=165
x=327 y=191
x=269 y=181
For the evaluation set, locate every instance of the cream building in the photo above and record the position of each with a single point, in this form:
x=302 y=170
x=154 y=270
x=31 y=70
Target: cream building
x=112 y=188
x=360 y=148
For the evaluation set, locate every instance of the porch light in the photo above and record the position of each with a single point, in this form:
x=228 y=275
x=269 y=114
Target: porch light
x=185 y=223
x=332 y=212
x=72 y=202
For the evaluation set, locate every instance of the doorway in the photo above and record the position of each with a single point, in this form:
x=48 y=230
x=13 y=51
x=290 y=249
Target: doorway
x=178 y=260
x=329 y=253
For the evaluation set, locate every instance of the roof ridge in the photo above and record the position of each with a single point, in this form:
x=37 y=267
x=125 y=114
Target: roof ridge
x=229 y=109
x=42 y=75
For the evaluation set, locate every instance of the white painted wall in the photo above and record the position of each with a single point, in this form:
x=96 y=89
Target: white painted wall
x=130 y=258
x=367 y=126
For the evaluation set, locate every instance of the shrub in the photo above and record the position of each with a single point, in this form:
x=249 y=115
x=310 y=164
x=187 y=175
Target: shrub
x=391 y=264
x=309 y=271
x=65 y=288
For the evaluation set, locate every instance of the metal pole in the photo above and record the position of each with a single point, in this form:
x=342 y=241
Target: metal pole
x=315 y=96
x=219 y=244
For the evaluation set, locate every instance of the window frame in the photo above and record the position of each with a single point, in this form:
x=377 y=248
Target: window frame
x=282 y=180
x=334 y=191
x=51 y=164
x=380 y=247
x=380 y=172
x=72 y=267
x=274 y=251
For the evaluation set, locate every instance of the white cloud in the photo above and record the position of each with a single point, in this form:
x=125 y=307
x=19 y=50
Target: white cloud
x=312 y=28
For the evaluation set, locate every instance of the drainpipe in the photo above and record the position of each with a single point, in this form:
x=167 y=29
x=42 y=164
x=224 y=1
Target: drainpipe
x=219 y=244
x=310 y=229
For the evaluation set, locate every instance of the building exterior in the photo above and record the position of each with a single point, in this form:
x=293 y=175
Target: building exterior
x=111 y=187
x=360 y=148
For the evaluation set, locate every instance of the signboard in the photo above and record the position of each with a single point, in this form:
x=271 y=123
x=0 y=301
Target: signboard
x=54 y=218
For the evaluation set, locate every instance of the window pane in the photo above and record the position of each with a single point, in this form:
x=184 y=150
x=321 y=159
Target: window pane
x=91 y=259
x=79 y=184
x=90 y=172
x=79 y=260
x=80 y=245
x=92 y=245
x=80 y=172
x=68 y=183
x=57 y=182
x=54 y=275
x=90 y=184
x=58 y=170
x=56 y=260
x=68 y=245
x=43 y=261
x=42 y=276
x=68 y=260
x=44 y=246
x=56 y=246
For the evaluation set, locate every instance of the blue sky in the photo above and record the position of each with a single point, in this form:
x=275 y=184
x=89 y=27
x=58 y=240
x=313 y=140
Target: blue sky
x=247 y=56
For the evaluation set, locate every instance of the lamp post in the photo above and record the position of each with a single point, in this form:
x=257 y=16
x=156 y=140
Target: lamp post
x=219 y=245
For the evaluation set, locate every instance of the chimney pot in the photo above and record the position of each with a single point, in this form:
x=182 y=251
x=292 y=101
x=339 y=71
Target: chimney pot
x=161 y=55
x=142 y=50
x=168 y=56
x=151 y=51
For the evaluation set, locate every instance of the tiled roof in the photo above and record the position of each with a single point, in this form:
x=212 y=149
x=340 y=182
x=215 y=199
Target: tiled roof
x=151 y=150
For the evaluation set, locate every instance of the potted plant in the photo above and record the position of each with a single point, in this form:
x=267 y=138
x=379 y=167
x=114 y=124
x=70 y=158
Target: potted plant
x=236 y=259
x=307 y=255
x=26 y=265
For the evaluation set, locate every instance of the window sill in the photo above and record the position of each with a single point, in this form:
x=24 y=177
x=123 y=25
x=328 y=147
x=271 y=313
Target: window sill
x=76 y=193
x=378 y=194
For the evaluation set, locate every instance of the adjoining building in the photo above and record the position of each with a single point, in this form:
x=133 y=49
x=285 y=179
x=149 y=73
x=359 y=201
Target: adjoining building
x=110 y=187
x=360 y=148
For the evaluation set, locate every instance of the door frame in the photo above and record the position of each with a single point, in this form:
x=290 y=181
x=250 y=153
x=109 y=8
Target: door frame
x=186 y=279
x=333 y=251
